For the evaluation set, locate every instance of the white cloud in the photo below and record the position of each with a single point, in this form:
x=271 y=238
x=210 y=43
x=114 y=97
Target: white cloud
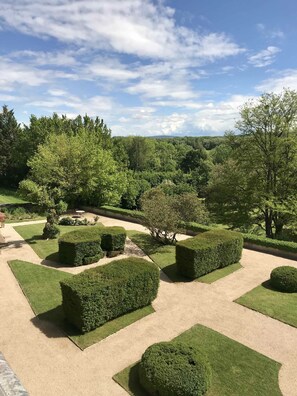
x=93 y=106
x=110 y=69
x=270 y=33
x=138 y=27
x=265 y=57
x=284 y=79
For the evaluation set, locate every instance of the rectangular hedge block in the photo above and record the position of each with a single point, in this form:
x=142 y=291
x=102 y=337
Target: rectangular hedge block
x=113 y=239
x=86 y=245
x=100 y=294
x=80 y=247
x=207 y=252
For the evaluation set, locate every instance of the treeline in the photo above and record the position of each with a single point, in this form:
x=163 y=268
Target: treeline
x=246 y=178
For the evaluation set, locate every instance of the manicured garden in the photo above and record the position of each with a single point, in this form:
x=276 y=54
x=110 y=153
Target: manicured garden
x=45 y=249
x=164 y=257
x=276 y=297
x=41 y=286
x=235 y=369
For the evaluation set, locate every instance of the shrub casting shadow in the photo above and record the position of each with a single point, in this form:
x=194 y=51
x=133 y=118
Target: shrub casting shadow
x=267 y=285
x=133 y=382
x=53 y=324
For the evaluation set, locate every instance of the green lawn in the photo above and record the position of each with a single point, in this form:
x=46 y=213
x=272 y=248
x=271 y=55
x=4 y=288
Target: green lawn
x=236 y=369
x=45 y=249
x=41 y=286
x=273 y=303
x=10 y=197
x=164 y=257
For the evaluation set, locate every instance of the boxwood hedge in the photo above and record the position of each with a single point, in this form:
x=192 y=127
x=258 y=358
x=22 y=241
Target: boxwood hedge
x=113 y=239
x=85 y=246
x=208 y=251
x=80 y=247
x=171 y=368
x=100 y=294
x=284 y=279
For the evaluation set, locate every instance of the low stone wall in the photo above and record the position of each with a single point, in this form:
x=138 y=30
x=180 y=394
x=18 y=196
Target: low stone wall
x=107 y=213
x=270 y=250
x=246 y=245
x=9 y=383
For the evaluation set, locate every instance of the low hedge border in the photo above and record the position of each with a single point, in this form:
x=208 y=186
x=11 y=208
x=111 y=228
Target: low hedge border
x=100 y=294
x=250 y=240
x=172 y=368
x=207 y=252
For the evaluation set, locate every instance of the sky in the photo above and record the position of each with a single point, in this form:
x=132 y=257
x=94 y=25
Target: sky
x=147 y=67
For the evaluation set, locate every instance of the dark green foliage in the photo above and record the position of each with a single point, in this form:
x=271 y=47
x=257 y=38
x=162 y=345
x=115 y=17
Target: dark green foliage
x=113 y=239
x=208 y=251
x=174 y=369
x=273 y=243
x=68 y=221
x=284 y=279
x=50 y=231
x=135 y=214
x=103 y=293
x=80 y=247
x=85 y=246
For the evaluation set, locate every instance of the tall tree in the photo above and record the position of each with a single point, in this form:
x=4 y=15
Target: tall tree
x=9 y=135
x=261 y=173
x=75 y=169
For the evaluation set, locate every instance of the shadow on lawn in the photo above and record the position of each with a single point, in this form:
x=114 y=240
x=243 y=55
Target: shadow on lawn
x=53 y=324
x=267 y=285
x=133 y=382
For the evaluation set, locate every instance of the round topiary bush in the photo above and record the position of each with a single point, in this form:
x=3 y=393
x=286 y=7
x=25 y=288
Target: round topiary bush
x=171 y=368
x=284 y=279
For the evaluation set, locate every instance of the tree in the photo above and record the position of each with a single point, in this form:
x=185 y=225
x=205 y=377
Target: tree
x=41 y=128
x=9 y=135
x=260 y=175
x=141 y=152
x=77 y=170
x=164 y=215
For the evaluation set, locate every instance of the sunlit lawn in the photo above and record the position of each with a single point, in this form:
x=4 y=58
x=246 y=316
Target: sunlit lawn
x=41 y=286
x=45 y=249
x=236 y=369
x=164 y=257
x=10 y=197
x=273 y=303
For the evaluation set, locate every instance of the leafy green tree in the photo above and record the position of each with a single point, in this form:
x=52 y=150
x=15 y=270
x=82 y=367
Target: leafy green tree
x=9 y=135
x=260 y=175
x=141 y=152
x=164 y=215
x=74 y=168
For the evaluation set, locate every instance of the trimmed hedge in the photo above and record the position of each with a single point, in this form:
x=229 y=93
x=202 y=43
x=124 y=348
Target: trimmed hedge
x=171 y=368
x=284 y=279
x=100 y=294
x=273 y=243
x=136 y=214
x=113 y=239
x=84 y=246
x=208 y=251
x=80 y=247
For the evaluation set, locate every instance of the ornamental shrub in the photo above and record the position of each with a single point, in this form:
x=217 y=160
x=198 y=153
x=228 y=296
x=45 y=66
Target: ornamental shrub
x=80 y=247
x=113 y=239
x=284 y=279
x=50 y=231
x=208 y=251
x=100 y=294
x=171 y=368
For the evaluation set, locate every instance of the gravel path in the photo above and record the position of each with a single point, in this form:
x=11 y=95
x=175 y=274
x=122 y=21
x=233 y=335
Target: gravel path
x=49 y=364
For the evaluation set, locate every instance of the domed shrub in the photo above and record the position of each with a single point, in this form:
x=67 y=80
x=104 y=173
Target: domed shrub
x=171 y=368
x=50 y=231
x=284 y=279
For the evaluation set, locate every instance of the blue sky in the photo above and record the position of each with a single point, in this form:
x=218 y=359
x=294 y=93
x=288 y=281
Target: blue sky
x=146 y=67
